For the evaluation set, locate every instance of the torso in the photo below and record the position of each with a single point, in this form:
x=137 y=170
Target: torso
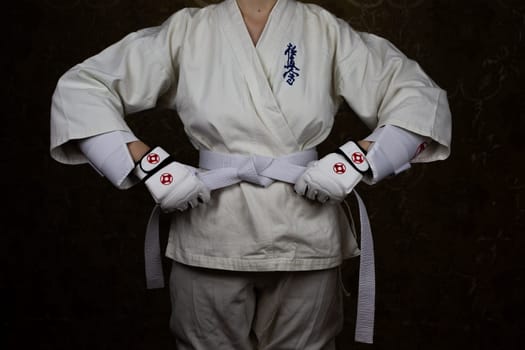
x=238 y=98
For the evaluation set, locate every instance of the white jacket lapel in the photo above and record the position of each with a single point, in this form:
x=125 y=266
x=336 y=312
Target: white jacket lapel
x=263 y=98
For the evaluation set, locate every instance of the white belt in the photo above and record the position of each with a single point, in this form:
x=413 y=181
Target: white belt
x=224 y=170
x=228 y=169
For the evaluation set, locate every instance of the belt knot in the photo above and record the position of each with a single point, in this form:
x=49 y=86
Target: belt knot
x=251 y=168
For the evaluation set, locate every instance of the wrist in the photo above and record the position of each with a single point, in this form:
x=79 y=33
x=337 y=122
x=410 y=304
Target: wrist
x=364 y=144
x=137 y=149
x=151 y=162
x=356 y=156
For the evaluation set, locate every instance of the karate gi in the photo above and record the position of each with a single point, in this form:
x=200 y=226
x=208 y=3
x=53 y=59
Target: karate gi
x=272 y=99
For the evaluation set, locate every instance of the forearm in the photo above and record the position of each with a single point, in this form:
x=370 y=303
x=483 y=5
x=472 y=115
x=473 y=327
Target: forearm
x=114 y=155
x=391 y=149
x=137 y=149
x=364 y=144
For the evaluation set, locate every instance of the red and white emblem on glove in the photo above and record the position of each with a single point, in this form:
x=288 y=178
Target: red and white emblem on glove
x=329 y=179
x=150 y=162
x=153 y=158
x=358 y=157
x=159 y=172
x=339 y=168
x=166 y=179
x=355 y=156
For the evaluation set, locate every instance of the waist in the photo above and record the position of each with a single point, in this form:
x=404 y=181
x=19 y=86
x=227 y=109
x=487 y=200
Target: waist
x=222 y=169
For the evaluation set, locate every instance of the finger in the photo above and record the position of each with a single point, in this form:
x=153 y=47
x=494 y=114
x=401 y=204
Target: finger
x=167 y=210
x=322 y=197
x=300 y=187
x=204 y=195
x=182 y=206
x=334 y=200
x=193 y=203
x=312 y=194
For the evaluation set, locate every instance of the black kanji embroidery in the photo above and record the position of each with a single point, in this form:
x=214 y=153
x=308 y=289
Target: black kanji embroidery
x=291 y=68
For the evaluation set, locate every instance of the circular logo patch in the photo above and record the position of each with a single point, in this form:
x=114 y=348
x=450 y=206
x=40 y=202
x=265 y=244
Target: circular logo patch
x=153 y=158
x=166 y=179
x=339 y=168
x=358 y=158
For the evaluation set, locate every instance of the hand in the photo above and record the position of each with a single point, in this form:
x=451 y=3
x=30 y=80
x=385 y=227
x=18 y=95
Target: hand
x=329 y=179
x=173 y=185
x=333 y=177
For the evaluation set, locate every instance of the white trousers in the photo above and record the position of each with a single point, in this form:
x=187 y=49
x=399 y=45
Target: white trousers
x=230 y=310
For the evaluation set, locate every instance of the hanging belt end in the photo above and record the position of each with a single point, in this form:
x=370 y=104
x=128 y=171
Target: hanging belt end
x=364 y=333
x=157 y=283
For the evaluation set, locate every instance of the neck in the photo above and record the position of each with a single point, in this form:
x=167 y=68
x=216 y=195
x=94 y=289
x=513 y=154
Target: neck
x=256 y=8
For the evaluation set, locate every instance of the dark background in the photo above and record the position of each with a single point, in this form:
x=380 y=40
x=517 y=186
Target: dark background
x=449 y=235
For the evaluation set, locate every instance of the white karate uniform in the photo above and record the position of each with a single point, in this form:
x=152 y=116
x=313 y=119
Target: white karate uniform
x=235 y=97
x=272 y=99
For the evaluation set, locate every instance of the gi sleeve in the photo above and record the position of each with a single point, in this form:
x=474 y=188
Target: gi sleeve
x=131 y=75
x=383 y=86
x=108 y=154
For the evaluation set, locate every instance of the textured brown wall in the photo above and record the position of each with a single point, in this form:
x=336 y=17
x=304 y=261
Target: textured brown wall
x=449 y=235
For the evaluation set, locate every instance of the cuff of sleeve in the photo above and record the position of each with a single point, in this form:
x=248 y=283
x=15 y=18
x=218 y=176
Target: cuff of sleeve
x=108 y=154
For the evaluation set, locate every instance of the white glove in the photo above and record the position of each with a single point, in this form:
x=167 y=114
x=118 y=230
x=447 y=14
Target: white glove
x=334 y=176
x=173 y=185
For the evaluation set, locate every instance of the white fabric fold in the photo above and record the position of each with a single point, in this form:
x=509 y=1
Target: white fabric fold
x=392 y=151
x=108 y=154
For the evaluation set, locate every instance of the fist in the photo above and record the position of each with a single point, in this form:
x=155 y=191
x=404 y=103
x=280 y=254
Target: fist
x=329 y=179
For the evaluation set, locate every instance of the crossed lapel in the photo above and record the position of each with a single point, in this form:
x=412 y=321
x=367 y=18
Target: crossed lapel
x=263 y=97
